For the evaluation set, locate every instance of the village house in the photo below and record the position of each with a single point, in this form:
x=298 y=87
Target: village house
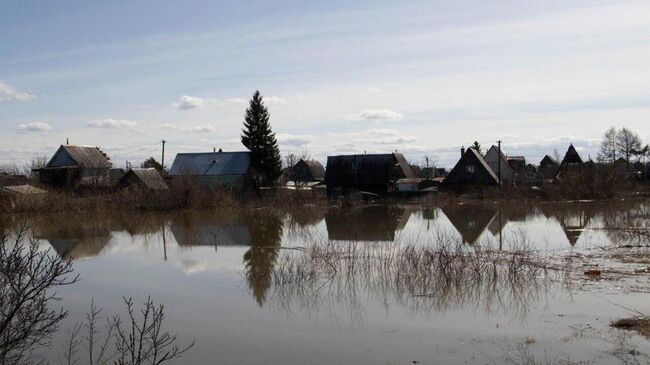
x=213 y=169
x=471 y=169
x=548 y=168
x=572 y=162
x=143 y=179
x=306 y=171
x=506 y=173
x=373 y=173
x=74 y=166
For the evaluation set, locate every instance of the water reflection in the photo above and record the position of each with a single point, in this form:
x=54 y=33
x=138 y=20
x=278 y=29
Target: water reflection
x=368 y=223
x=266 y=234
x=256 y=238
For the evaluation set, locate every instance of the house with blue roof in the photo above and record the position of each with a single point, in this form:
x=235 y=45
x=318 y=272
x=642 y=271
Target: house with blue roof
x=213 y=169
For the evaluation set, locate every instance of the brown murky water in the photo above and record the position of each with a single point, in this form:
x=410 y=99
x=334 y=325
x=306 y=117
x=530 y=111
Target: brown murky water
x=329 y=285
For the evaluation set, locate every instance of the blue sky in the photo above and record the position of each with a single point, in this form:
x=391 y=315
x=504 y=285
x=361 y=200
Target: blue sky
x=420 y=77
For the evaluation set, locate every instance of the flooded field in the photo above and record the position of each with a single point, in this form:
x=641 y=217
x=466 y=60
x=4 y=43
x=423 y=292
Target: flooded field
x=380 y=284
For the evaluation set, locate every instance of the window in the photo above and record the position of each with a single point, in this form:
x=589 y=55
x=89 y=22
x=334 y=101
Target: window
x=469 y=169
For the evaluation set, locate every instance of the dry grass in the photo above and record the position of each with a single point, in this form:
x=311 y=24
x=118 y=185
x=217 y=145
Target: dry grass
x=178 y=197
x=429 y=277
x=640 y=324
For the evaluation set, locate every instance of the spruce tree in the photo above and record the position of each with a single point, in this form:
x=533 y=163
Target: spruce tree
x=258 y=137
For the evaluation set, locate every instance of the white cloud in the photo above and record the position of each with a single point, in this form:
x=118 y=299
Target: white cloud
x=190 y=102
x=378 y=115
x=395 y=140
x=9 y=93
x=111 y=123
x=198 y=129
x=383 y=132
x=275 y=100
x=34 y=127
x=374 y=90
x=293 y=140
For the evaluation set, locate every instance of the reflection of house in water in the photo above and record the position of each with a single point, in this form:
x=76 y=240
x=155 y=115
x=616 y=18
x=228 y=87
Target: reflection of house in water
x=307 y=216
x=75 y=238
x=371 y=223
x=573 y=218
x=470 y=220
x=262 y=232
x=205 y=230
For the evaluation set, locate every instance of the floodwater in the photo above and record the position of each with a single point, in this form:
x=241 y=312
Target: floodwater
x=245 y=289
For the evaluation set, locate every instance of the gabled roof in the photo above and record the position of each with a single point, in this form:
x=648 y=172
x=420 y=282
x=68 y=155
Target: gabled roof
x=548 y=159
x=491 y=158
x=79 y=156
x=149 y=177
x=471 y=154
x=571 y=156
x=211 y=164
x=316 y=168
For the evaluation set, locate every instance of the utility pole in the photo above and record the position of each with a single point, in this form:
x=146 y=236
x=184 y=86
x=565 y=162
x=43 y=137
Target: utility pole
x=499 y=159
x=162 y=160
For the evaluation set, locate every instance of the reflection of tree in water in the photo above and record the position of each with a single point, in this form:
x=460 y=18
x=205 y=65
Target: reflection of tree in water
x=266 y=234
x=627 y=221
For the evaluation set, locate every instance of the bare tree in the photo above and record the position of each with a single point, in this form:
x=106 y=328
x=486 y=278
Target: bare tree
x=132 y=342
x=627 y=142
x=144 y=341
x=27 y=278
x=608 y=146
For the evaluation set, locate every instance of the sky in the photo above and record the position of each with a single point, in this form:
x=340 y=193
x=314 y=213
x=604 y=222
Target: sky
x=419 y=77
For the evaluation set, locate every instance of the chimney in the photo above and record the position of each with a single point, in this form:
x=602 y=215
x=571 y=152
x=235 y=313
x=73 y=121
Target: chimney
x=462 y=151
x=67 y=142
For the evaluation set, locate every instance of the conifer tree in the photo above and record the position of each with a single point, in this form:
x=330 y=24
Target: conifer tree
x=258 y=137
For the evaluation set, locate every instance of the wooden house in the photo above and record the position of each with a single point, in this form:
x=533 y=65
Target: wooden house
x=497 y=160
x=307 y=171
x=213 y=169
x=73 y=166
x=471 y=169
x=373 y=173
x=548 y=167
x=143 y=179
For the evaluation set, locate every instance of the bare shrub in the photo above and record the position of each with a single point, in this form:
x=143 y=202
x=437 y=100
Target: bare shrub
x=140 y=339
x=28 y=277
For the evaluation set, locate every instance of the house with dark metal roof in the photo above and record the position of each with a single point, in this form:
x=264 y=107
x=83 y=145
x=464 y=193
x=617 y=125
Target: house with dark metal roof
x=213 y=169
x=471 y=169
x=372 y=173
x=73 y=166
x=307 y=171
x=141 y=178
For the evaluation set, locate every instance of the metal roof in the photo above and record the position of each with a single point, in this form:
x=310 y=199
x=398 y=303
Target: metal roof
x=149 y=177
x=211 y=163
x=79 y=156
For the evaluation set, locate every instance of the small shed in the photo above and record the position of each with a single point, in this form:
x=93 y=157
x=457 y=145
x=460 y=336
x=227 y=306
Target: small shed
x=373 y=173
x=213 y=169
x=492 y=158
x=22 y=190
x=72 y=166
x=307 y=171
x=471 y=169
x=141 y=178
